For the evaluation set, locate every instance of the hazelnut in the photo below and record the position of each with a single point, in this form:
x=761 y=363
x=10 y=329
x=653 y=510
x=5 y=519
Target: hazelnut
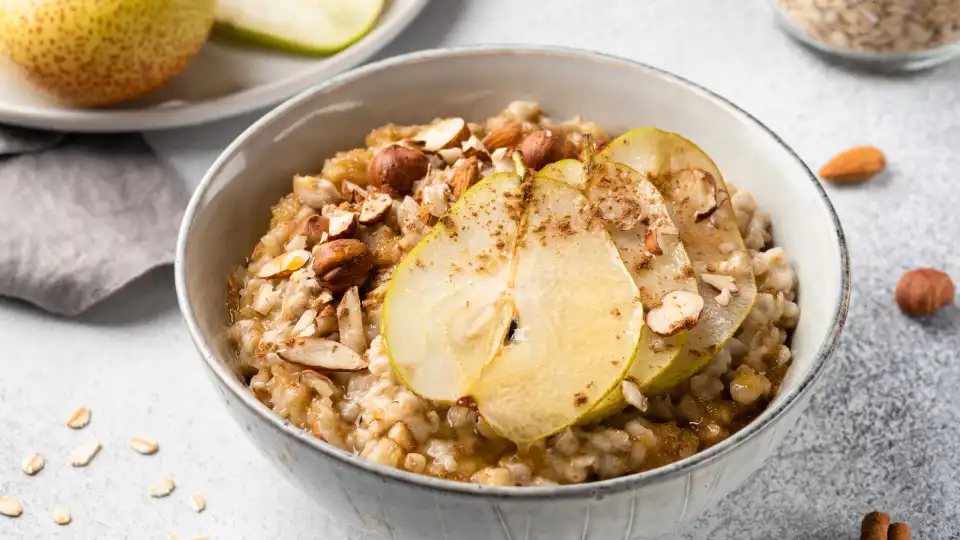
x=398 y=167
x=342 y=264
x=542 y=148
x=314 y=228
x=677 y=311
x=923 y=291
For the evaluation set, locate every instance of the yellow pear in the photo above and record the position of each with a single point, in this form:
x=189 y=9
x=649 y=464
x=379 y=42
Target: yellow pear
x=100 y=52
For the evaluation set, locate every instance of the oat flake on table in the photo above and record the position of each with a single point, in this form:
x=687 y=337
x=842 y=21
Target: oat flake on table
x=79 y=419
x=81 y=456
x=32 y=464
x=10 y=507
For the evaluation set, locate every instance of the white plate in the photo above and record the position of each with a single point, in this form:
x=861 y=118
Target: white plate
x=223 y=80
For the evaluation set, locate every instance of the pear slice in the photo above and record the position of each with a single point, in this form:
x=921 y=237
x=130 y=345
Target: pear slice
x=527 y=255
x=301 y=26
x=579 y=316
x=699 y=203
x=446 y=310
x=651 y=249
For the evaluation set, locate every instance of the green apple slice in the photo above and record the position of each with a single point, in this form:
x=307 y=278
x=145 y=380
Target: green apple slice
x=699 y=203
x=447 y=310
x=302 y=26
x=578 y=321
x=649 y=244
x=528 y=255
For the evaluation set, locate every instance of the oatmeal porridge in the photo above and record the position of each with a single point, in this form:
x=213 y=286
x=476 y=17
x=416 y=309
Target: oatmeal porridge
x=342 y=333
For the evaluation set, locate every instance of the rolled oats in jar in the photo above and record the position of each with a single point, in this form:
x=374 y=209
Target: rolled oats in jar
x=903 y=33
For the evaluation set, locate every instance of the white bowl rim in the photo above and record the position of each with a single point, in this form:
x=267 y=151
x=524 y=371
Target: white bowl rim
x=573 y=491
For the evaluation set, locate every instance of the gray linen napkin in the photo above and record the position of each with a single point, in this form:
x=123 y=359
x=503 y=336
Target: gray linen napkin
x=81 y=216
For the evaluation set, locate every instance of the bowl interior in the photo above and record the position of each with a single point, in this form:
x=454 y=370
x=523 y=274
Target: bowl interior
x=231 y=209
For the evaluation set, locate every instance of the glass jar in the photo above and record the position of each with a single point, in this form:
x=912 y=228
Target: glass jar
x=885 y=35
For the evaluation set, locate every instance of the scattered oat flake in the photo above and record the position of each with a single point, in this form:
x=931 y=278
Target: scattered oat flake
x=61 y=515
x=198 y=502
x=83 y=455
x=144 y=445
x=79 y=419
x=9 y=507
x=33 y=464
x=162 y=489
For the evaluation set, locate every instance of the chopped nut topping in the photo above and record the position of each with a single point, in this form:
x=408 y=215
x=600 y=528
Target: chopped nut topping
x=724 y=298
x=375 y=208
x=32 y=464
x=79 y=419
x=720 y=282
x=342 y=224
x=444 y=134
x=633 y=396
x=284 y=265
x=678 y=311
x=322 y=353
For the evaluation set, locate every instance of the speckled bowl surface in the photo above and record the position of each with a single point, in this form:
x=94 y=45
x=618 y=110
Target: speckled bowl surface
x=230 y=211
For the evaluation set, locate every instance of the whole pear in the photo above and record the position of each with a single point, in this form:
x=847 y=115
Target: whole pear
x=100 y=52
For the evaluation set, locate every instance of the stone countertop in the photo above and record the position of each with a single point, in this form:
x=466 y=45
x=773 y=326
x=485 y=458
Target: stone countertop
x=881 y=434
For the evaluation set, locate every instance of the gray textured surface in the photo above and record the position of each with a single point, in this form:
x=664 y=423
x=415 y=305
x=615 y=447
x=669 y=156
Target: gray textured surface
x=881 y=434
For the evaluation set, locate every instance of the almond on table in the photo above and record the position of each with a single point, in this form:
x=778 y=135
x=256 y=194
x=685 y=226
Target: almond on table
x=857 y=164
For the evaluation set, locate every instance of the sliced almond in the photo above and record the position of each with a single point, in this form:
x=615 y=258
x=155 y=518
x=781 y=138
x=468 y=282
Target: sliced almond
x=350 y=321
x=198 y=503
x=464 y=176
x=32 y=464
x=79 y=419
x=720 y=282
x=375 y=208
x=504 y=137
x=427 y=217
x=158 y=491
x=284 y=265
x=326 y=321
x=61 y=515
x=81 y=456
x=304 y=326
x=322 y=353
x=343 y=223
x=144 y=445
x=444 y=134
x=10 y=507
x=678 y=311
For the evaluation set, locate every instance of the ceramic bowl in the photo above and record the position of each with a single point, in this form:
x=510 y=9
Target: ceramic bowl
x=230 y=210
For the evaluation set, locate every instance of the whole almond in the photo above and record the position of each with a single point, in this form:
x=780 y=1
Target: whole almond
x=464 y=176
x=924 y=291
x=854 y=165
x=397 y=167
x=504 y=137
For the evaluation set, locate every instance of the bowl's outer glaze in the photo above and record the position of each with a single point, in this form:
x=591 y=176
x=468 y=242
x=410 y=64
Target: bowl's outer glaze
x=229 y=212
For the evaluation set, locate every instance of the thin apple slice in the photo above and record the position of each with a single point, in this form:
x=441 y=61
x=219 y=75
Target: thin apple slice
x=445 y=313
x=652 y=252
x=578 y=311
x=322 y=353
x=700 y=206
